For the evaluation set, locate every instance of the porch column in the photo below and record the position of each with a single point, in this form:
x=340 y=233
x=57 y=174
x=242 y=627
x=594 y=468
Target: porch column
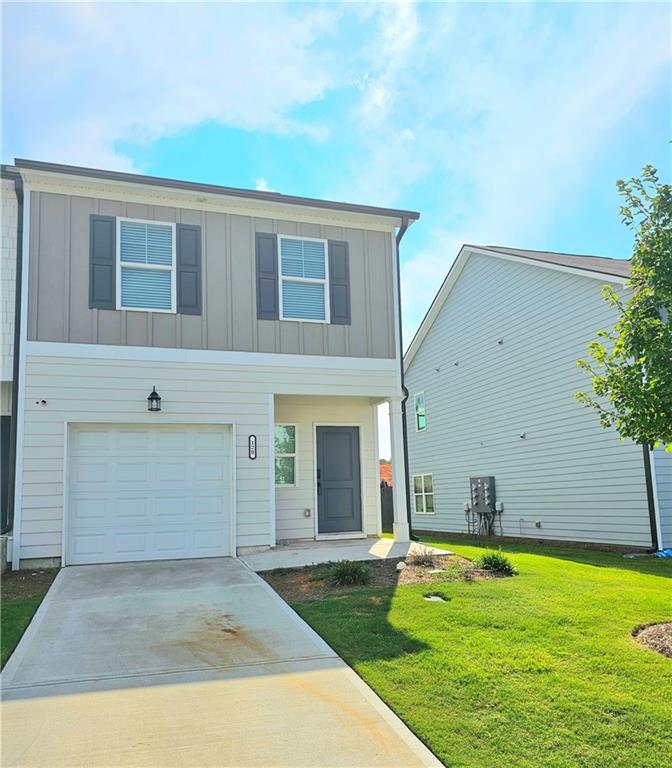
x=400 y=525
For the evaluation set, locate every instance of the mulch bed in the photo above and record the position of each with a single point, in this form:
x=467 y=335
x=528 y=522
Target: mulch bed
x=657 y=637
x=21 y=584
x=301 y=585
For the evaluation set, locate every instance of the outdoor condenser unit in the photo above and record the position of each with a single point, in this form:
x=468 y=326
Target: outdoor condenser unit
x=482 y=509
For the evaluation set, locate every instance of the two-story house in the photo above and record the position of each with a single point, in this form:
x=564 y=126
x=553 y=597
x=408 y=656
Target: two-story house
x=497 y=443
x=199 y=368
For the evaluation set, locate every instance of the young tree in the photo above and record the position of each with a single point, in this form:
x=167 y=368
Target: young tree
x=631 y=366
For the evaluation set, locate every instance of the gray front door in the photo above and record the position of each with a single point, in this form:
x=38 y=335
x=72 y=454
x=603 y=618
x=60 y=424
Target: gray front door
x=339 y=493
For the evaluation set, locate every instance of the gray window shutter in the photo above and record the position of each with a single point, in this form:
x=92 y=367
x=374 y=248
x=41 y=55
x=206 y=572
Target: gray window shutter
x=103 y=262
x=188 y=277
x=267 y=277
x=339 y=283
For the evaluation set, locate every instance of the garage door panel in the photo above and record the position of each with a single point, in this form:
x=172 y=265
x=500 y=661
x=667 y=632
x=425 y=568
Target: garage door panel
x=172 y=501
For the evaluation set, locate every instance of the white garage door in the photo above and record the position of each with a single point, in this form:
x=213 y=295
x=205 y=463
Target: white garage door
x=148 y=492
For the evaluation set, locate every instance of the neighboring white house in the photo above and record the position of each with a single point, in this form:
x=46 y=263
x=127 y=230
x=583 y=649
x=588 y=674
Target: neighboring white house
x=492 y=376
x=268 y=326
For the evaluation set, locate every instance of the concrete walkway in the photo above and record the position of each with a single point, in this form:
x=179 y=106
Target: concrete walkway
x=299 y=554
x=186 y=663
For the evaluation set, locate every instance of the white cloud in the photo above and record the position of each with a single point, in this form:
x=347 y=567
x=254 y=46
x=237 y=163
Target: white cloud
x=81 y=78
x=262 y=185
x=508 y=113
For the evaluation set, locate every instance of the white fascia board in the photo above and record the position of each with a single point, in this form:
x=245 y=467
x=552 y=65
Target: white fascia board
x=455 y=271
x=165 y=354
x=57 y=183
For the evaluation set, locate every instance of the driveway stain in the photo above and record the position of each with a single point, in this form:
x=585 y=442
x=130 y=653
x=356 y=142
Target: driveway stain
x=218 y=639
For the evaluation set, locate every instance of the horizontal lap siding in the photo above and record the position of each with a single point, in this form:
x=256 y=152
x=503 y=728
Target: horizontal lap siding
x=305 y=412
x=80 y=390
x=663 y=467
x=579 y=481
x=59 y=285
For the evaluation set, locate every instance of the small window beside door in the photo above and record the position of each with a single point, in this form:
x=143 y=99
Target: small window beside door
x=285 y=454
x=420 y=415
x=423 y=491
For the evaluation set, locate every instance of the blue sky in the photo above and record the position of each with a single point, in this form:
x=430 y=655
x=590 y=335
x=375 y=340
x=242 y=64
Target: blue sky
x=501 y=123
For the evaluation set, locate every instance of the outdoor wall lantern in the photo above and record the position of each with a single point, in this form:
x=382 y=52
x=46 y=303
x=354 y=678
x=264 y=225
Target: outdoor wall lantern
x=154 y=400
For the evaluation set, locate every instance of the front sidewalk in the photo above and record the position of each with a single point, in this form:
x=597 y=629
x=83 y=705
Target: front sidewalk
x=300 y=554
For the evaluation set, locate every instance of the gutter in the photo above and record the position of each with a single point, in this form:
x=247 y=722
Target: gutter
x=13 y=425
x=405 y=223
x=652 y=498
x=212 y=189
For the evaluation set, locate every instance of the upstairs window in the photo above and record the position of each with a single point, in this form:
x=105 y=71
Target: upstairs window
x=423 y=491
x=146 y=268
x=304 y=289
x=285 y=454
x=420 y=417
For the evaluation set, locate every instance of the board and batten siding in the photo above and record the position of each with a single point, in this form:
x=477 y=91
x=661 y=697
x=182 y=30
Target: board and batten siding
x=580 y=482
x=663 y=469
x=59 y=285
x=306 y=412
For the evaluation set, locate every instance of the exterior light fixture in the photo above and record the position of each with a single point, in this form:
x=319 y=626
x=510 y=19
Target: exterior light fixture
x=154 y=400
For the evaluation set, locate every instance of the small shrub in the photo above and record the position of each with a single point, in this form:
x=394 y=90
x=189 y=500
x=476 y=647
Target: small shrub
x=496 y=562
x=423 y=557
x=348 y=573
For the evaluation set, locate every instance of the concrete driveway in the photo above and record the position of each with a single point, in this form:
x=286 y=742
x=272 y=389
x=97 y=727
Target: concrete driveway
x=186 y=663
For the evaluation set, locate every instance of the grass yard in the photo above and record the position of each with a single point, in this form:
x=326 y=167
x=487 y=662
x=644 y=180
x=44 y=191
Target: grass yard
x=539 y=670
x=22 y=593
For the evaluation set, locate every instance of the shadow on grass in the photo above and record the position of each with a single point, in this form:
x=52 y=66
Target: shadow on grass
x=364 y=632
x=645 y=564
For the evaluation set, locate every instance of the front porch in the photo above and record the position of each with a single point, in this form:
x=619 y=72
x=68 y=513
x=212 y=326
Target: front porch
x=326 y=482
x=303 y=553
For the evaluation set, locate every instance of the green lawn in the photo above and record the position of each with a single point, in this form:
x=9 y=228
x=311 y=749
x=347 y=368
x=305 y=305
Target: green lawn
x=22 y=593
x=537 y=670
x=16 y=616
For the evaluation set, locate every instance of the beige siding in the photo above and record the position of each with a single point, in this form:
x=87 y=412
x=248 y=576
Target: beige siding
x=9 y=210
x=59 y=285
x=663 y=468
x=306 y=413
x=577 y=480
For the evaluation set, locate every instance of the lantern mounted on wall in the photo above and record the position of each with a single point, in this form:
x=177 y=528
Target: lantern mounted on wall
x=154 y=400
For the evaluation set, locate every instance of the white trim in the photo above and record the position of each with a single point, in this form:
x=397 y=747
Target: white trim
x=424 y=494
x=309 y=280
x=58 y=183
x=185 y=420
x=157 y=267
x=376 y=451
x=294 y=455
x=20 y=404
x=656 y=501
x=272 y=537
x=66 y=470
x=415 y=410
x=454 y=273
x=341 y=534
x=170 y=355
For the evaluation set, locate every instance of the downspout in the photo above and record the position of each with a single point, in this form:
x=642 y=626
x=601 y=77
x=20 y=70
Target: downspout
x=404 y=427
x=13 y=426
x=651 y=498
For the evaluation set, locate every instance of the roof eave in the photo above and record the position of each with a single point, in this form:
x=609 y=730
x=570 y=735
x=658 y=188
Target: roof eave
x=212 y=189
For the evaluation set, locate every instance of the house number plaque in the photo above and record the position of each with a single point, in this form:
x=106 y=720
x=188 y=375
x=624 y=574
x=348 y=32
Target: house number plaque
x=252 y=446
